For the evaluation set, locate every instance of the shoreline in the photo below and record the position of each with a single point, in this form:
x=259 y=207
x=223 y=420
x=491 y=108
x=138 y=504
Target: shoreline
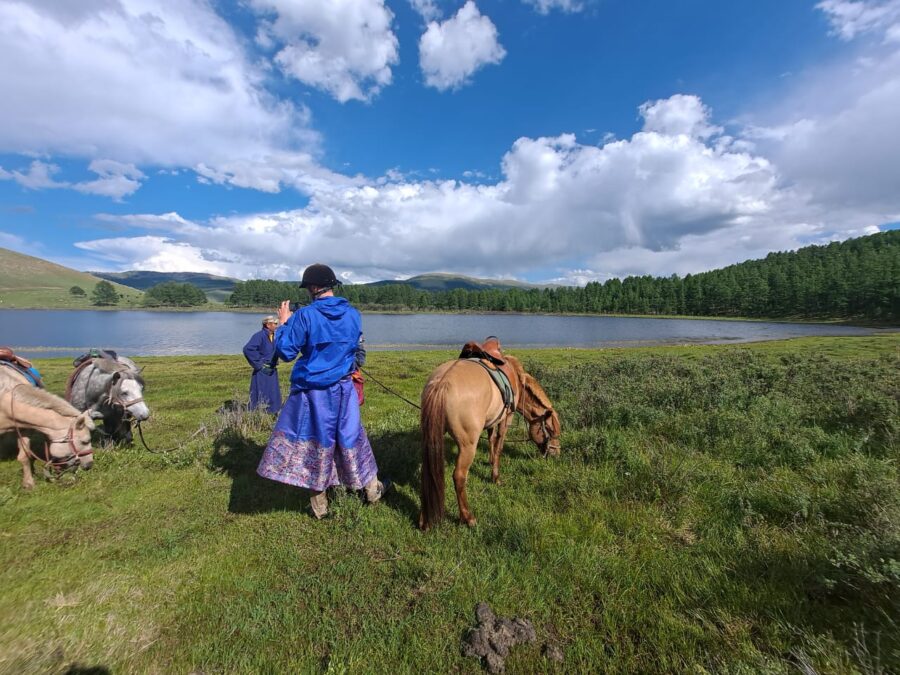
x=861 y=323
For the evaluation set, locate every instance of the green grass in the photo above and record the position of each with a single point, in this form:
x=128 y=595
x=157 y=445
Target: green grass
x=715 y=509
x=29 y=283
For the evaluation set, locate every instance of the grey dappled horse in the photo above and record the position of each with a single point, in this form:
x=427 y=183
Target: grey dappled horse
x=113 y=390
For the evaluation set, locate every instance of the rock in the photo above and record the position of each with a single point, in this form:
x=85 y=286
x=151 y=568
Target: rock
x=492 y=637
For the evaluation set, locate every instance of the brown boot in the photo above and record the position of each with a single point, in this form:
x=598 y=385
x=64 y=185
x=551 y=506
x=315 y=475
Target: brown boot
x=375 y=489
x=318 y=504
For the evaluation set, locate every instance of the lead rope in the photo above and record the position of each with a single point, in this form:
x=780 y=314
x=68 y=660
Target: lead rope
x=389 y=390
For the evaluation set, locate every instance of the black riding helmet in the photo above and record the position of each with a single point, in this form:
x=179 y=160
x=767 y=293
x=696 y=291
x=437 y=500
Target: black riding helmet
x=318 y=275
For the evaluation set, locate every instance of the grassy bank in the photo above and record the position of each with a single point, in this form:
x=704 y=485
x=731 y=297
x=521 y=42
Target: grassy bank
x=716 y=509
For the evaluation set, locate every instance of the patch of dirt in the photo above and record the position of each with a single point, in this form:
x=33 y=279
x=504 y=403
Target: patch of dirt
x=493 y=636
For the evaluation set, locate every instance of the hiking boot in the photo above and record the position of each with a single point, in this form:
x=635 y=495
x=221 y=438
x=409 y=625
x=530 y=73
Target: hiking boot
x=376 y=489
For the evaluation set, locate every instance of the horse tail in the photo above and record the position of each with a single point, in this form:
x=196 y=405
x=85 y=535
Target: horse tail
x=433 y=421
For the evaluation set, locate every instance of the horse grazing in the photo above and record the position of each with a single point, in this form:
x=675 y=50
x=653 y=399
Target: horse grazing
x=460 y=397
x=67 y=431
x=111 y=387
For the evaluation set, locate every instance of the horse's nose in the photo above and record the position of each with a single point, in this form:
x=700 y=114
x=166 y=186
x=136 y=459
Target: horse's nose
x=87 y=463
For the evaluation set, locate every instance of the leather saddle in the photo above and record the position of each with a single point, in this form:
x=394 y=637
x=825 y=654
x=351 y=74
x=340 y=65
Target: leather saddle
x=489 y=355
x=489 y=349
x=21 y=365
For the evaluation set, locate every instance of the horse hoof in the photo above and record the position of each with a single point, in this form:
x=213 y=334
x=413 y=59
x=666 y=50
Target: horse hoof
x=469 y=522
x=28 y=486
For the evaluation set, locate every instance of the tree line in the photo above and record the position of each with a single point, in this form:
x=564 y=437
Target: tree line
x=857 y=278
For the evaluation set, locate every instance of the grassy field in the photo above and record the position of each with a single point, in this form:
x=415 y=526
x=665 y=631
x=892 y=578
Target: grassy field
x=715 y=509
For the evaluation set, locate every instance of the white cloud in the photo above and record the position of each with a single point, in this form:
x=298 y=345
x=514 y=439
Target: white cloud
x=115 y=179
x=558 y=201
x=344 y=47
x=546 y=6
x=427 y=9
x=850 y=18
x=678 y=114
x=159 y=254
x=452 y=50
x=836 y=135
x=147 y=82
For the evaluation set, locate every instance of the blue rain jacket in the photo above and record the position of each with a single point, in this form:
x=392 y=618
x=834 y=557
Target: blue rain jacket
x=325 y=333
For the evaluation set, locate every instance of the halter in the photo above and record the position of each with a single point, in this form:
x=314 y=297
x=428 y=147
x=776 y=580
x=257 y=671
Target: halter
x=69 y=438
x=115 y=400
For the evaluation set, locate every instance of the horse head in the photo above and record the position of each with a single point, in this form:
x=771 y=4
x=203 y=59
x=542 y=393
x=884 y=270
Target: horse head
x=75 y=447
x=544 y=428
x=127 y=392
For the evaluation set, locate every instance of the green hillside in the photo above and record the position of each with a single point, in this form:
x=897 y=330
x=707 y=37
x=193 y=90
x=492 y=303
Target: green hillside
x=217 y=288
x=27 y=282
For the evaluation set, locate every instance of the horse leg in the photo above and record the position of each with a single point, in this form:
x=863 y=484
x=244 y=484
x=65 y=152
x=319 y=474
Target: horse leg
x=27 y=463
x=496 y=437
x=460 y=473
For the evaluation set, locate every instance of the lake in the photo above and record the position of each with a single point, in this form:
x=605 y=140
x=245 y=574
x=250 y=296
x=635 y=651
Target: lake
x=68 y=333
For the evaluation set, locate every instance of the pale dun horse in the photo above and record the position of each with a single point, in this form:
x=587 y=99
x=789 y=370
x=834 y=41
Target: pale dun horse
x=461 y=398
x=24 y=407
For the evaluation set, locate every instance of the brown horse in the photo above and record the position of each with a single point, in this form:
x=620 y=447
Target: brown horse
x=460 y=397
x=68 y=431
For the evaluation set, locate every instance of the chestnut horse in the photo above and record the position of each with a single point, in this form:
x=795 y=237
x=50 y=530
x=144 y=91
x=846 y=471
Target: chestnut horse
x=460 y=397
x=68 y=431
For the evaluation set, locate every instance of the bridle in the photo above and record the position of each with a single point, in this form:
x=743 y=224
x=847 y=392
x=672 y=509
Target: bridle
x=115 y=399
x=57 y=463
x=542 y=420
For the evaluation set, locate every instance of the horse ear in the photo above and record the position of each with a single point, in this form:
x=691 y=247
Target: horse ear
x=84 y=421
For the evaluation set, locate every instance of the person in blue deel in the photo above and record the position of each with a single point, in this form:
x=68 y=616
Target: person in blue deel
x=318 y=441
x=260 y=354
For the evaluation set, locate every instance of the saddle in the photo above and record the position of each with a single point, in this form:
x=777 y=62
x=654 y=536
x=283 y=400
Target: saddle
x=103 y=357
x=489 y=355
x=21 y=365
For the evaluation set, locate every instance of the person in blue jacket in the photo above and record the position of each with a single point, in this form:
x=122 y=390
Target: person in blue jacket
x=260 y=354
x=318 y=441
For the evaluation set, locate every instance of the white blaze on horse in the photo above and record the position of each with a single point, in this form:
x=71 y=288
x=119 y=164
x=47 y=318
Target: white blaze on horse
x=67 y=432
x=111 y=388
x=461 y=398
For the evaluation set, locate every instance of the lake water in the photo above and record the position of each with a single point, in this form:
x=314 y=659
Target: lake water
x=49 y=333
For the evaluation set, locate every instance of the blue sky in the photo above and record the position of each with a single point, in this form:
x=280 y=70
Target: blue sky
x=545 y=140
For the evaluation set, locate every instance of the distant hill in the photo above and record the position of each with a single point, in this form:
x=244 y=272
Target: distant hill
x=439 y=281
x=29 y=282
x=217 y=289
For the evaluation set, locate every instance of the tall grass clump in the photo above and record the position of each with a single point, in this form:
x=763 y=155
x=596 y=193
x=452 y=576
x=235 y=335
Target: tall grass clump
x=782 y=470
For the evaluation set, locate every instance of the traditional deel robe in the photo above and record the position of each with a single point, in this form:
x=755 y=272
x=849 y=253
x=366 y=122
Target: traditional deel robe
x=264 y=390
x=318 y=440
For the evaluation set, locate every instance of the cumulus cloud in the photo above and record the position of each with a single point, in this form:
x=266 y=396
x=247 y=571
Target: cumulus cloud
x=114 y=179
x=452 y=50
x=558 y=200
x=345 y=47
x=158 y=82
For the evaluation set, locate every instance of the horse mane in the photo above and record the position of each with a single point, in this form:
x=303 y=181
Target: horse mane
x=39 y=398
x=536 y=390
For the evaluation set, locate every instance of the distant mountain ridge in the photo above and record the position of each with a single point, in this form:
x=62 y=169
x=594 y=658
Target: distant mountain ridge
x=216 y=288
x=440 y=281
